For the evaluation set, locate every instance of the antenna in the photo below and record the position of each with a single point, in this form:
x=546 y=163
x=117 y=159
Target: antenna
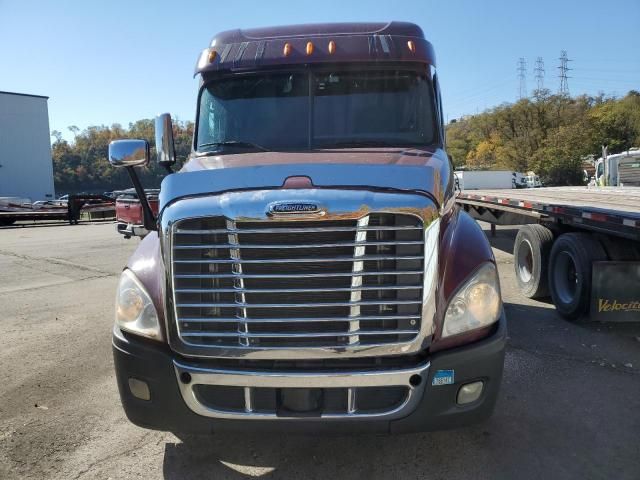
x=539 y=74
x=564 y=68
x=522 y=77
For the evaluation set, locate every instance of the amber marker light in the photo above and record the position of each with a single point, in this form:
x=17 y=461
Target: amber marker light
x=309 y=48
x=212 y=56
x=287 y=49
x=332 y=47
x=412 y=46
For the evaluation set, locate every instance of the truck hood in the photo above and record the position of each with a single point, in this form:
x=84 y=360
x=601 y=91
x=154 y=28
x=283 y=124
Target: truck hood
x=368 y=156
x=424 y=170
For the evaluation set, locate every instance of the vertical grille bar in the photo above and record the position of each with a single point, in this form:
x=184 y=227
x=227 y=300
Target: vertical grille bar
x=248 y=400
x=351 y=400
x=356 y=280
x=238 y=282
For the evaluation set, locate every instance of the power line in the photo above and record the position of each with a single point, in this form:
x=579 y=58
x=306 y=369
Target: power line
x=480 y=93
x=522 y=77
x=564 y=68
x=539 y=74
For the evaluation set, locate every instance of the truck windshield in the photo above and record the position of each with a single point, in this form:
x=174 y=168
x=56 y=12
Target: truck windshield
x=329 y=109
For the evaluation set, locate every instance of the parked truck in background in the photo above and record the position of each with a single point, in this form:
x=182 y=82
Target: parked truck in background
x=532 y=180
x=308 y=268
x=477 y=179
x=619 y=169
x=129 y=214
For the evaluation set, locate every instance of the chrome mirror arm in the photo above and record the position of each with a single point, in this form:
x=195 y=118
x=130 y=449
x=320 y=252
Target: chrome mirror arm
x=148 y=220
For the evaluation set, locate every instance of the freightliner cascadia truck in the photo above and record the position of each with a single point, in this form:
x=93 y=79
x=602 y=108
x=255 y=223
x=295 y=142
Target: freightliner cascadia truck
x=308 y=268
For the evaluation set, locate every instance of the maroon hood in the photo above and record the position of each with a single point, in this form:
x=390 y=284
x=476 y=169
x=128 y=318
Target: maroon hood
x=369 y=156
x=425 y=170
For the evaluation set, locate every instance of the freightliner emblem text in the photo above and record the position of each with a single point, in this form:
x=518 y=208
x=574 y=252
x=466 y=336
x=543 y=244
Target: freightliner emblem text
x=293 y=208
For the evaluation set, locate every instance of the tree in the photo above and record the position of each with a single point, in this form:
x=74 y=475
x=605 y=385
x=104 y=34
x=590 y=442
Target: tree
x=82 y=166
x=73 y=129
x=549 y=134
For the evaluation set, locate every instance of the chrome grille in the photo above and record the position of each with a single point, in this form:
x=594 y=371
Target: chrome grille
x=300 y=283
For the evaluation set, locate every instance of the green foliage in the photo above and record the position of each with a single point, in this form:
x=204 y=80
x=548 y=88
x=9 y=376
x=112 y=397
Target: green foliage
x=82 y=166
x=549 y=134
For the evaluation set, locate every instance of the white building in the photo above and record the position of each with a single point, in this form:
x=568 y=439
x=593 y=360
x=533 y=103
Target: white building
x=26 y=168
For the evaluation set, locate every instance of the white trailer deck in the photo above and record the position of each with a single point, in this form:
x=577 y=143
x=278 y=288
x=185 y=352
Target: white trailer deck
x=612 y=210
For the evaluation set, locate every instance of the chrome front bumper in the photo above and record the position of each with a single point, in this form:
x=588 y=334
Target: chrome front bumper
x=413 y=379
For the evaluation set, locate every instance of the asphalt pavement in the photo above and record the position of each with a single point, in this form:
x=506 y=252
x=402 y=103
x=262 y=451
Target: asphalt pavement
x=569 y=405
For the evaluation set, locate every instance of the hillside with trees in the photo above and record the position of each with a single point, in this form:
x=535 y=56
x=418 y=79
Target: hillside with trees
x=548 y=134
x=82 y=165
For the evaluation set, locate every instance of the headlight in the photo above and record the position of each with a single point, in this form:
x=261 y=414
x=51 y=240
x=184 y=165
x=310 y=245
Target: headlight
x=477 y=304
x=135 y=312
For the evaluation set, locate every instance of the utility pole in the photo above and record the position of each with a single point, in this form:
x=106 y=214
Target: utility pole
x=564 y=68
x=522 y=77
x=605 y=166
x=539 y=74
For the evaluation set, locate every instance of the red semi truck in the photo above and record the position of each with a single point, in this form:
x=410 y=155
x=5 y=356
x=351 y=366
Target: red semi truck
x=129 y=214
x=308 y=268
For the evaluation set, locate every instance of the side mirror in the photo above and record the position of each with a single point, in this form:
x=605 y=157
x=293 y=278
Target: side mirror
x=129 y=153
x=166 y=152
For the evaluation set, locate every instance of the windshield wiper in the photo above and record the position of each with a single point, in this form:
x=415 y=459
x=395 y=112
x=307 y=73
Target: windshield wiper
x=234 y=143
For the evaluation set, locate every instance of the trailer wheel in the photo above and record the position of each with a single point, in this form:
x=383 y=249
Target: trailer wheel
x=570 y=265
x=531 y=258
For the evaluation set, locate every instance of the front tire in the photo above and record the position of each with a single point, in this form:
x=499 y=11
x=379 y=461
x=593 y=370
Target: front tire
x=531 y=258
x=570 y=265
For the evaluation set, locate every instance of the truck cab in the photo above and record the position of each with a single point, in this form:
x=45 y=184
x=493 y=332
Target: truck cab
x=129 y=214
x=621 y=169
x=308 y=268
x=531 y=180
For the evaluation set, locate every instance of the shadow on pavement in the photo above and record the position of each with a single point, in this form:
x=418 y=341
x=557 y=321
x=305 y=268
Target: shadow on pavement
x=230 y=456
x=504 y=238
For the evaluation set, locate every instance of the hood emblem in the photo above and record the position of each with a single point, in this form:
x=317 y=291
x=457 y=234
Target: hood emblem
x=295 y=208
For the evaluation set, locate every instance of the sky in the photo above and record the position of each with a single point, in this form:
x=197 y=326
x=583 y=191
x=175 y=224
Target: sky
x=119 y=61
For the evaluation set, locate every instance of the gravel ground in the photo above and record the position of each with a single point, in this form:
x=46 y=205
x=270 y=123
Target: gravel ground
x=569 y=405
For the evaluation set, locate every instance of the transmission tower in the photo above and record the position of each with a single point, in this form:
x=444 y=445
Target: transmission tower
x=564 y=68
x=539 y=74
x=522 y=77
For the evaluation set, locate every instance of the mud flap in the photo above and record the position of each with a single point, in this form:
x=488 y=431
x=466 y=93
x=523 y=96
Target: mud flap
x=615 y=292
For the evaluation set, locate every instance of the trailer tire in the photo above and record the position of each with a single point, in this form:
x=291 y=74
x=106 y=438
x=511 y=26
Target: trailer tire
x=531 y=259
x=570 y=265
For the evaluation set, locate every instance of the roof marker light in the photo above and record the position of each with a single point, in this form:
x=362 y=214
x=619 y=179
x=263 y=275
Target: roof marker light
x=309 y=48
x=203 y=59
x=212 y=55
x=332 y=47
x=412 y=46
x=287 y=49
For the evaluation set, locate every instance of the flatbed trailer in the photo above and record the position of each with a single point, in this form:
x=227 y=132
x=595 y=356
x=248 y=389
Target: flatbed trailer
x=572 y=244
x=77 y=204
x=14 y=216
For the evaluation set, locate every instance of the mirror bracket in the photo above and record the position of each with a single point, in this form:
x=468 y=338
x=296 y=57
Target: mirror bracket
x=148 y=220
